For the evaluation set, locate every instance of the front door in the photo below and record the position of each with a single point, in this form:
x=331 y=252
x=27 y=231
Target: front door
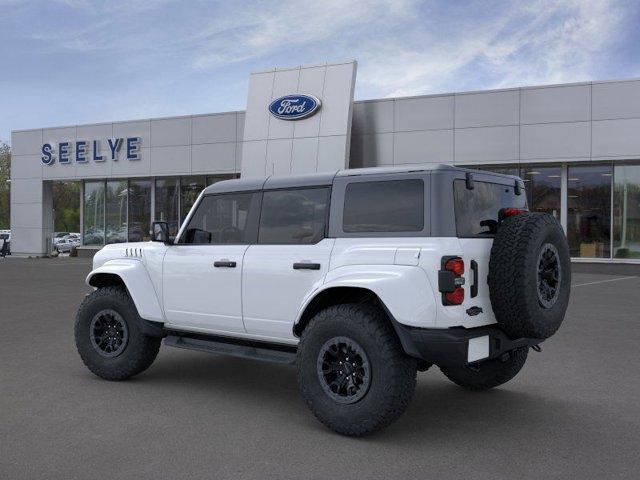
x=290 y=260
x=202 y=273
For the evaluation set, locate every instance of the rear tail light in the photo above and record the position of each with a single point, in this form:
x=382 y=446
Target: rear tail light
x=510 y=212
x=455 y=265
x=456 y=297
x=450 y=280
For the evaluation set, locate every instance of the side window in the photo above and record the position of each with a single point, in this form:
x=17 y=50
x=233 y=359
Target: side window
x=223 y=219
x=296 y=216
x=384 y=206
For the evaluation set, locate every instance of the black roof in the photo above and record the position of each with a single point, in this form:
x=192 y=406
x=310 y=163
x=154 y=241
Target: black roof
x=323 y=178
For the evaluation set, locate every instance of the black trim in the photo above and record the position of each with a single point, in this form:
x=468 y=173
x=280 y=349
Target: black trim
x=225 y=263
x=468 y=180
x=152 y=329
x=306 y=266
x=517 y=189
x=474 y=272
x=236 y=347
x=449 y=346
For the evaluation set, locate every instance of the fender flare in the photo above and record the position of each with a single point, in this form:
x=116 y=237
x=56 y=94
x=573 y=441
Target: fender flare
x=416 y=307
x=136 y=279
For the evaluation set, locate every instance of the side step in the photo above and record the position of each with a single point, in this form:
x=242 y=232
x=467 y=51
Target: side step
x=244 y=349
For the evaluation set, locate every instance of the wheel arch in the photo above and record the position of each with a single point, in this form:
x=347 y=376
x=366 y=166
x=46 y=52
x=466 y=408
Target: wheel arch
x=133 y=276
x=104 y=279
x=329 y=297
x=336 y=295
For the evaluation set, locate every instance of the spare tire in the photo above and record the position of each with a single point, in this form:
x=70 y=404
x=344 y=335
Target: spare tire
x=529 y=275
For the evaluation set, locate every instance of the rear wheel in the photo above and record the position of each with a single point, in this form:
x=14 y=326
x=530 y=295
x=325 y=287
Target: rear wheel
x=488 y=374
x=352 y=371
x=108 y=335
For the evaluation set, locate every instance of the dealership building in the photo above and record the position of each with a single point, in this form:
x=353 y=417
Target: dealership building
x=577 y=147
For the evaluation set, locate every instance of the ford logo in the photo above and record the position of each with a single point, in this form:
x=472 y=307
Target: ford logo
x=294 y=107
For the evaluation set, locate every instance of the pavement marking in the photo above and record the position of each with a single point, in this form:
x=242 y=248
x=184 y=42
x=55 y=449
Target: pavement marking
x=603 y=281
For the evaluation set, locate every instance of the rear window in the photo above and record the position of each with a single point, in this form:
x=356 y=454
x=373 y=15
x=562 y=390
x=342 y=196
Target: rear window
x=477 y=210
x=388 y=206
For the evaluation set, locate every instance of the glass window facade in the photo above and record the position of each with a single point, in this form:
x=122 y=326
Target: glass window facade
x=589 y=210
x=93 y=208
x=139 y=210
x=168 y=203
x=626 y=212
x=190 y=188
x=602 y=205
x=122 y=210
x=543 y=188
x=116 y=211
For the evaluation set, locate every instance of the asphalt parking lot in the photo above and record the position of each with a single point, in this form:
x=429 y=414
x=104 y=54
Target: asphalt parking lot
x=573 y=412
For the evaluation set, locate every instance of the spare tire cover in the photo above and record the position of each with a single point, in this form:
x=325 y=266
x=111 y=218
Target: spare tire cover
x=529 y=275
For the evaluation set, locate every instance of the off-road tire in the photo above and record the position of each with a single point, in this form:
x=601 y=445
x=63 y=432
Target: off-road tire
x=140 y=350
x=393 y=373
x=513 y=275
x=490 y=373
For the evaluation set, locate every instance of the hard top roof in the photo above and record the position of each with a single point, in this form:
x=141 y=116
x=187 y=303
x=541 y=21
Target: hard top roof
x=325 y=178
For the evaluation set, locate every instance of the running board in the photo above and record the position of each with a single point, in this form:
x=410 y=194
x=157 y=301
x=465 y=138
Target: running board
x=242 y=349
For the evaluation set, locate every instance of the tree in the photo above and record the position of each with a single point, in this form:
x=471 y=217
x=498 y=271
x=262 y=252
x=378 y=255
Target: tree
x=5 y=169
x=66 y=205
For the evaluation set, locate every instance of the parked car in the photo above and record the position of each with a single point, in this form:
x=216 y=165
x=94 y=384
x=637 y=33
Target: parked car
x=65 y=245
x=5 y=242
x=57 y=236
x=360 y=278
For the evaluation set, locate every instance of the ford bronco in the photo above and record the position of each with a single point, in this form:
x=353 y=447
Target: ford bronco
x=359 y=277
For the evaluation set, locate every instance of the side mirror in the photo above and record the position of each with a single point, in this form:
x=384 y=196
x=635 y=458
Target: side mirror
x=160 y=232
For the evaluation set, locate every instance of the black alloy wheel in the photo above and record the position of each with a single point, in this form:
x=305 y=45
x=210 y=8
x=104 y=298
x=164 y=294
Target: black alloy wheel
x=109 y=333
x=549 y=275
x=344 y=370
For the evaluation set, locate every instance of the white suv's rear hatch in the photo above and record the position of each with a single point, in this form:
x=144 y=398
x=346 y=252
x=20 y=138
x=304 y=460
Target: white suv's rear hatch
x=477 y=212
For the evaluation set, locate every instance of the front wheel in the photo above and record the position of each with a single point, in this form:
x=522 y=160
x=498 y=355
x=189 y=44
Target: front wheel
x=352 y=370
x=490 y=373
x=108 y=335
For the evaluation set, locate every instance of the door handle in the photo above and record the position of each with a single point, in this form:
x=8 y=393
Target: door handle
x=306 y=266
x=224 y=263
x=474 y=271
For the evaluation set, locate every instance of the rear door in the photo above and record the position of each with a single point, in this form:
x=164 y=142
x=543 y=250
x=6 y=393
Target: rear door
x=476 y=212
x=289 y=260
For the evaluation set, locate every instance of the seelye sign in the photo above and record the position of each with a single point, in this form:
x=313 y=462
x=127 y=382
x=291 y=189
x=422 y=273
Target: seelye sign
x=82 y=151
x=294 y=107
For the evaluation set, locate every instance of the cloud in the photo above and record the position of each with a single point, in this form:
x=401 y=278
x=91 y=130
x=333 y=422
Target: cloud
x=409 y=47
x=143 y=58
x=544 y=42
x=260 y=30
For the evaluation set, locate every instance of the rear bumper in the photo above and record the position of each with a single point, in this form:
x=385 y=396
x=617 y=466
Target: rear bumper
x=459 y=346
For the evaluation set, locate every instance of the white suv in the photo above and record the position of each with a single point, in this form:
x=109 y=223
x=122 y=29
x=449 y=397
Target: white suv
x=359 y=277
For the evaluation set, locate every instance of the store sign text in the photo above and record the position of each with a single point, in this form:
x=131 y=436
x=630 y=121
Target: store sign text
x=83 y=151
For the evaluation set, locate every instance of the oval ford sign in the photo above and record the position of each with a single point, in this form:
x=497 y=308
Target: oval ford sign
x=294 y=107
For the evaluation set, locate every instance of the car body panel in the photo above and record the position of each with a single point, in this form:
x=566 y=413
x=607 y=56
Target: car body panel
x=133 y=262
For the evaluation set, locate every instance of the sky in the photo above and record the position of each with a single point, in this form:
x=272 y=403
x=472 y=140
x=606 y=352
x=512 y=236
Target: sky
x=80 y=61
